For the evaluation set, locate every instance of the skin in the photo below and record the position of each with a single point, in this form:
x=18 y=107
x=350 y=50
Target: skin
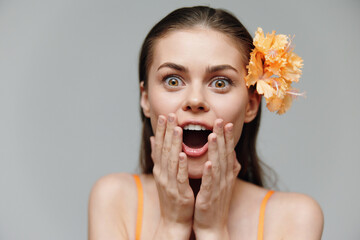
x=224 y=207
x=198 y=98
x=196 y=94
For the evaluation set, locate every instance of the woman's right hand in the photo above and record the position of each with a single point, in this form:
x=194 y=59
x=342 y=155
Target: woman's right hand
x=171 y=176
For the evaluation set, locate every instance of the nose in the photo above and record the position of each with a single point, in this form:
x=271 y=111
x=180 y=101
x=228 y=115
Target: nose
x=195 y=101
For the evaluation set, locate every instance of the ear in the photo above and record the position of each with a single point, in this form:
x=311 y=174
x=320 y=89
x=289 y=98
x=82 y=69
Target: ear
x=144 y=100
x=253 y=106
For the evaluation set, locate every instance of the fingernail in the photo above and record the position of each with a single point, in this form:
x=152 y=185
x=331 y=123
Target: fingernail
x=171 y=118
x=220 y=124
x=176 y=133
x=230 y=128
x=160 y=120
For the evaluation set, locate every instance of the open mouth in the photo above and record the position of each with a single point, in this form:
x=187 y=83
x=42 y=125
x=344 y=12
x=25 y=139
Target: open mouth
x=195 y=138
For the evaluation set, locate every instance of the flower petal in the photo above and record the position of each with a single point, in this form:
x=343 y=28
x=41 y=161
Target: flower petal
x=255 y=68
x=274 y=103
x=286 y=104
x=263 y=43
x=273 y=67
x=263 y=87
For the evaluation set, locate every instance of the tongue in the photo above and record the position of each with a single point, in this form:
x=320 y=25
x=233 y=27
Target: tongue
x=195 y=139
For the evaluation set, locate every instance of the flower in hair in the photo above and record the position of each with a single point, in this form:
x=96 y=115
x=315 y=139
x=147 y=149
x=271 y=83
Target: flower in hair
x=273 y=67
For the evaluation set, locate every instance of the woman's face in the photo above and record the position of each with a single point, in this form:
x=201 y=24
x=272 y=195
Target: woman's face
x=198 y=75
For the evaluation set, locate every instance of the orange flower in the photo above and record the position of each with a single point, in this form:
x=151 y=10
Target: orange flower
x=273 y=67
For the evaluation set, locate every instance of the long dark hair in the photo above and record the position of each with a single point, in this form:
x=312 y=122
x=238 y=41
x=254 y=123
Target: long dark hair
x=224 y=22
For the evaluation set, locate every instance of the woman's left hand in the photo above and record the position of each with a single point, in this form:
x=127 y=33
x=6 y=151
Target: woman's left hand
x=219 y=175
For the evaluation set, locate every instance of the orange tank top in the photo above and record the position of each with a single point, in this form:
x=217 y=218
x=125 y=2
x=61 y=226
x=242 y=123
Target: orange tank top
x=140 y=209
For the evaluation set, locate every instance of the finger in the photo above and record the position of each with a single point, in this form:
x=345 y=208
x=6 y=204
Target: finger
x=219 y=130
x=156 y=167
x=182 y=175
x=237 y=166
x=159 y=139
x=174 y=157
x=152 y=144
x=206 y=182
x=230 y=154
x=166 y=148
x=213 y=157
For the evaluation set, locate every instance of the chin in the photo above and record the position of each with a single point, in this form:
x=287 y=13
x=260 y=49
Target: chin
x=195 y=167
x=197 y=175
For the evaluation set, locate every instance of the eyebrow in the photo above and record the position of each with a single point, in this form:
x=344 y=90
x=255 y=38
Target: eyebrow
x=219 y=68
x=209 y=69
x=174 y=66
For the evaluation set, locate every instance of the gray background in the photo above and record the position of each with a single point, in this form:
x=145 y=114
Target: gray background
x=69 y=106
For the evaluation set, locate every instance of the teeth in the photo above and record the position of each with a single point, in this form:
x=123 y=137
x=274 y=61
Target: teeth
x=194 y=127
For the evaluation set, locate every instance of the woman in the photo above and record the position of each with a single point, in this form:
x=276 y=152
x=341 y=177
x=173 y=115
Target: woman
x=201 y=174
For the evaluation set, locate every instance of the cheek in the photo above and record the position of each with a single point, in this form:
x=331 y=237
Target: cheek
x=162 y=104
x=232 y=110
x=235 y=116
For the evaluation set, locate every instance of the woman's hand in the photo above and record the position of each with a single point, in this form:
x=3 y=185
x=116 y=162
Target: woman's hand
x=171 y=176
x=219 y=175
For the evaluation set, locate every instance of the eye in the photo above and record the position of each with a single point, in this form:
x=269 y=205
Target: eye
x=173 y=81
x=221 y=83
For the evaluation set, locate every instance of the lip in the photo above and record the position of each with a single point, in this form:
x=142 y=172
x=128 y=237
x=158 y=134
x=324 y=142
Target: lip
x=196 y=122
x=194 y=152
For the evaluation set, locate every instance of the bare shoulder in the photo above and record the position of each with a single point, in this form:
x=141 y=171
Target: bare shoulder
x=110 y=206
x=112 y=189
x=109 y=184
x=298 y=216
